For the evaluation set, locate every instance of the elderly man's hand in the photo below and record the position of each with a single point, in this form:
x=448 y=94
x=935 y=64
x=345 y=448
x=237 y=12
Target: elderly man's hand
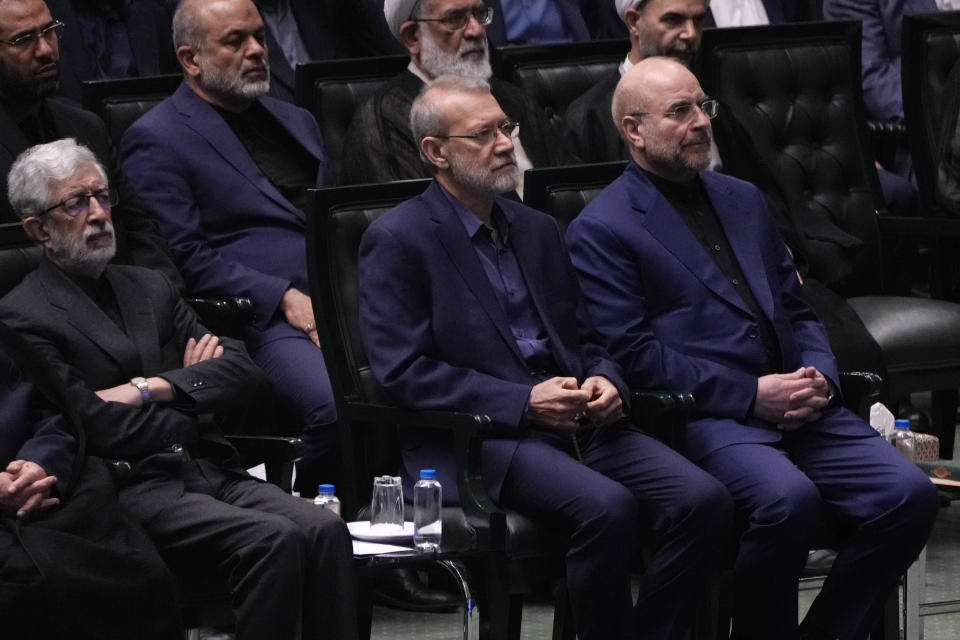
x=605 y=404
x=207 y=347
x=298 y=309
x=557 y=403
x=25 y=487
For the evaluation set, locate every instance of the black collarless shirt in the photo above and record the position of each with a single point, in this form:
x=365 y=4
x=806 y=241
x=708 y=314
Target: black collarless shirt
x=696 y=210
x=282 y=159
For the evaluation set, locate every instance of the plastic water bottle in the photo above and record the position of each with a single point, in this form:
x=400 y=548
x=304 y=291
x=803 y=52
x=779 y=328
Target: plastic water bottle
x=426 y=511
x=326 y=500
x=903 y=439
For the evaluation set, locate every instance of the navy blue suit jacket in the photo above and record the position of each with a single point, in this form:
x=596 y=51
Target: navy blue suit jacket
x=229 y=229
x=584 y=19
x=672 y=320
x=437 y=338
x=882 y=42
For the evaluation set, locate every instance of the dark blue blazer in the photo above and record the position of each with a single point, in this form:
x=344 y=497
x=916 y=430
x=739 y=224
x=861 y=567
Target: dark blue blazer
x=671 y=318
x=882 y=44
x=229 y=229
x=437 y=338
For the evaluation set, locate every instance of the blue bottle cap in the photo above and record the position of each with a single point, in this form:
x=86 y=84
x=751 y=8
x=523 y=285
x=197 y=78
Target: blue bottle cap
x=428 y=473
x=901 y=423
x=325 y=488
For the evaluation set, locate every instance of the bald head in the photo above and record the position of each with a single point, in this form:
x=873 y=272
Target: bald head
x=658 y=107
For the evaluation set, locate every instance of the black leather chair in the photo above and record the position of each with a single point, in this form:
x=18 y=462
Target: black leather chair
x=333 y=89
x=796 y=90
x=509 y=554
x=555 y=75
x=931 y=46
x=121 y=102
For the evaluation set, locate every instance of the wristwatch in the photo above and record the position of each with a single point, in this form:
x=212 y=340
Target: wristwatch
x=141 y=384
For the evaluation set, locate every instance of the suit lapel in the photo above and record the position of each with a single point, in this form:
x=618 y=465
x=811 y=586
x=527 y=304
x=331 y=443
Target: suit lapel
x=453 y=237
x=208 y=124
x=668 y=228
x=742 y=239
x=86 y=317
x=136 y=310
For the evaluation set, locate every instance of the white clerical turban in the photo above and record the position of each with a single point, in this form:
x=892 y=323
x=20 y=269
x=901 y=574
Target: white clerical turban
x=397 y=12
x=623 y=5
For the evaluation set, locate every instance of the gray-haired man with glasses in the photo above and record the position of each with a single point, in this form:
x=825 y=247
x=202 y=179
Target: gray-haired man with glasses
x=442 y=37
x=144 y=375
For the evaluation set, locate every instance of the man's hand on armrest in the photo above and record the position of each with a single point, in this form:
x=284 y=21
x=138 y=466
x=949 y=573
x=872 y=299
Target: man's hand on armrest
x=557 y=403
x=207 y=347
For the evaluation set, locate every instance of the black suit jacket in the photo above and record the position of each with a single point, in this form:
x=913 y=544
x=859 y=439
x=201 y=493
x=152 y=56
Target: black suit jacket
x=90 y=352
x=138 y=240
x=151 y=41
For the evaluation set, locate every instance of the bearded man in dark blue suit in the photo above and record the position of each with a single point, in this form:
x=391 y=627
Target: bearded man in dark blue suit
x=469 y=302
x=692 y=288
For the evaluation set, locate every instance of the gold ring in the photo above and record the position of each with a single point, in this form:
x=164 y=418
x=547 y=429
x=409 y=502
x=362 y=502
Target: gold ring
x=308 y=328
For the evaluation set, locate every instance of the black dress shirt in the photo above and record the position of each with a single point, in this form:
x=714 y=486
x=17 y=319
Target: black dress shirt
x=282 y=159
x=696 y=210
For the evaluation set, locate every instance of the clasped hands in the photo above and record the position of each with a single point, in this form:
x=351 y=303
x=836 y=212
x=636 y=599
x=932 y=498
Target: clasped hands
x=25 y=487
x=560 y=403
x=790 y=400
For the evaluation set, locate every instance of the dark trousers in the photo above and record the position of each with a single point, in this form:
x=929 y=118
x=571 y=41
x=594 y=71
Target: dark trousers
x=628 y=487
x=884 y=507
x=288 y=564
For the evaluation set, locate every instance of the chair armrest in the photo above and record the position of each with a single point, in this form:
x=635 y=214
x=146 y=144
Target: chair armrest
x=467 y=430
x=648 y=405
x=860 y=389
x=276 y=453
x=225 y=316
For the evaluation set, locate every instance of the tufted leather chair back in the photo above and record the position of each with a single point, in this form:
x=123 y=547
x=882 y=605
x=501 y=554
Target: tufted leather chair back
x=334 y=230
x=121 y=102
x=333 y=89
x=795 y=91
x=557 y=74
x=931 y=46
x=563 y=192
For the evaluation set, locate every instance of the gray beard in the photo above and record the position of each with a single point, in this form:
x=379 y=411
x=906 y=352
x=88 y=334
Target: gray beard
x=220 y=82
x=71 y=254
x=467 y=172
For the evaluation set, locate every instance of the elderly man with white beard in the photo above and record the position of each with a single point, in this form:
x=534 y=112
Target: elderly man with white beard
x=142 y=373
x=442 y=37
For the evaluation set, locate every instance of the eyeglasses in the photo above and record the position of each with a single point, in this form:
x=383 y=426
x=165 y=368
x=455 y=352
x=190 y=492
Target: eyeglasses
x=684 y=113
x=28 y=40
x=79 y=204
x=488 y=135
x=457 y=19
